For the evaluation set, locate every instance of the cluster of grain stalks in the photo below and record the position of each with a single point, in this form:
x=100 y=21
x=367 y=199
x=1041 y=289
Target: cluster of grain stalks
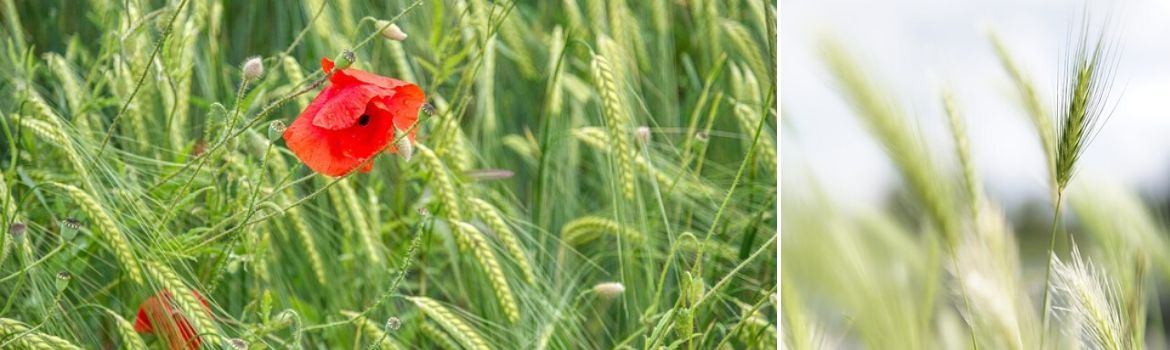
x=585 y=174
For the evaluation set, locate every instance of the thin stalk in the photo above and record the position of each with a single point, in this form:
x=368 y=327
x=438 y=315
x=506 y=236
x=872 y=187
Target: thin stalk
x=1048 y=269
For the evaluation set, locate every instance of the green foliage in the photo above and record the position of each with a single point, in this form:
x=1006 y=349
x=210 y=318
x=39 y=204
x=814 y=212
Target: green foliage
x=139 y=158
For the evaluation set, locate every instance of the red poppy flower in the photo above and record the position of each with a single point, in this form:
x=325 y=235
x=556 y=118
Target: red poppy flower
x=352 y=120
x=157 y=315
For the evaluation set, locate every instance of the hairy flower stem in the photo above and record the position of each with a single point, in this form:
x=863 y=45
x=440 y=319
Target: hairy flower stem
x=1048 y=269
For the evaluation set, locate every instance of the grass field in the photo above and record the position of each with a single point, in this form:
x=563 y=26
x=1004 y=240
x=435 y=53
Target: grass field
x=595 y=174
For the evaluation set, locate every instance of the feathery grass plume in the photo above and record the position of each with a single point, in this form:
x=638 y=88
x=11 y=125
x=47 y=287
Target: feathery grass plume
x=117 y=240
x=987 y=261
x=1129 y=239
x=460 y=330
x=616 y=119
x=184 y=297
x=13 y=332
x=358 y=213
x=491 y=266
x=384 y=341
x=443 y=184
x=589 y=228
x=888 y=124
x=1040 y=118
x=495 y=221
x=1084 y=102
x=1087 y=299
x=130 y=338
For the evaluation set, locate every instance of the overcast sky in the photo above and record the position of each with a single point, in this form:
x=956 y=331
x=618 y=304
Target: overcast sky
x=916 y=47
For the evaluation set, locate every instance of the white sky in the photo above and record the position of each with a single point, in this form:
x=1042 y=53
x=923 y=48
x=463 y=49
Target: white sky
x=915 y=47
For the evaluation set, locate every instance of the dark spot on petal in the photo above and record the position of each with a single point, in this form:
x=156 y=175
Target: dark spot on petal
x=364 y=120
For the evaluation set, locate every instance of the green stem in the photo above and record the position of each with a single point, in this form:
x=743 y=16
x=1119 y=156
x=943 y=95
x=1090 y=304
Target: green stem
x=1048 y=269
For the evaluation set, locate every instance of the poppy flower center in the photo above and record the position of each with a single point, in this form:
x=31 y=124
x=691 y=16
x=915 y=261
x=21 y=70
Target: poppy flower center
x=364 y=120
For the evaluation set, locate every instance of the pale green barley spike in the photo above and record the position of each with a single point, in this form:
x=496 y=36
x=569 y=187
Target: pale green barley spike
x=495 y=221
x=573 y=13
x=53 y=129
x=438 y=336
x=192 y=309
x=20 y=335
x=376 y=333
x=597 y=16
x=749 y=118
x=296 y=75
x=398 y=55
x=184 y=44
x=129 y=337
x=511 y=31
x=117 y=240
x=491 y=266
x=485 y=90
x=586 y=229
x=743 y=41
x=74 y=89
x=361 y=223
x=460 y=330
x=443 y=186
x=339 y=209
x=1037 y=113
x=616 y=121
x=598 y=140
x=972 y=184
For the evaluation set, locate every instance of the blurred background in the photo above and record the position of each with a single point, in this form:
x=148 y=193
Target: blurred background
x=916 y=47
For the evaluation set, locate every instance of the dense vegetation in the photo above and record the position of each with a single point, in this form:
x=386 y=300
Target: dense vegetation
x=594 y=174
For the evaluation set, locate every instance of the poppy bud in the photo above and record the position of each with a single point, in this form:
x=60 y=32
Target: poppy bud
x=344 y=60
x=63 y=279
x=642 y=134
x=238 y=344
x=253 y=68
x=405 y=147
x=428 y=108
x=423 y=212
x=393 y=323
x=17 y=230
x=391 y=31
x=71 y=226
x=276 y=129
x=609 y=290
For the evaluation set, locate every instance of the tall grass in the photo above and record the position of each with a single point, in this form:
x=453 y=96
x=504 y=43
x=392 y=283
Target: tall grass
x=137 y=157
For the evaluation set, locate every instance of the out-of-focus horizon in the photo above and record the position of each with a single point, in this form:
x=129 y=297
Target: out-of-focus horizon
x=916 y=48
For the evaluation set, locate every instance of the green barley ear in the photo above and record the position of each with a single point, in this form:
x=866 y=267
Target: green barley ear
x=459 y=329
x=1083 y=102
x=19 y=335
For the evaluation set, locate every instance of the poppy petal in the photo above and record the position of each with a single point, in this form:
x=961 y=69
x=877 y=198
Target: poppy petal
x=345 y=107
x=327 y=65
